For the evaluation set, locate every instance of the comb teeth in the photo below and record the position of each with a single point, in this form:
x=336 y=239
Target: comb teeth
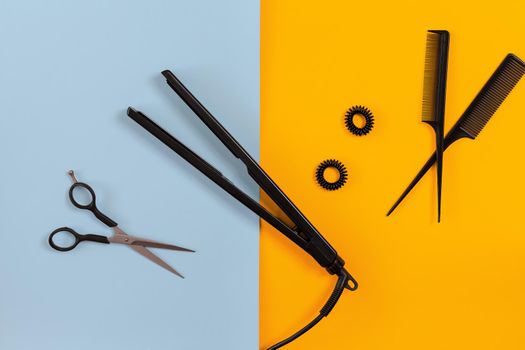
x=431 y=76
x=492 y=95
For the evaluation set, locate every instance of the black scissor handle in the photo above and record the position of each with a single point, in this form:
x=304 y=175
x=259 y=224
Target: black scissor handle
x=77 y=236
x=92 y=205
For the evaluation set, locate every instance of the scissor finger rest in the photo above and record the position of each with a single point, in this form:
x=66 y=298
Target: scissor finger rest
x=77 y=239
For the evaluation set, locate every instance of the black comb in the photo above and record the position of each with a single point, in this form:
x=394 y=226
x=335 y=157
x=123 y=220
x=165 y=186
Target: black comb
x=434 y=93
x=478 y=113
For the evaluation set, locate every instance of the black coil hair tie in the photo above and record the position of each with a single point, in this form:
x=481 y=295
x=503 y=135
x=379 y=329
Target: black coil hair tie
x=352 y=127
x=337 y=165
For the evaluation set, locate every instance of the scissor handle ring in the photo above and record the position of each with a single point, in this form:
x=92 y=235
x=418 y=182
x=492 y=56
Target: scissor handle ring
x=71 y=232
x=91 y=205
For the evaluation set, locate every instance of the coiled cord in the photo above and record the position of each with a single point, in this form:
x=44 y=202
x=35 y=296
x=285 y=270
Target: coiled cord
x=328 y=306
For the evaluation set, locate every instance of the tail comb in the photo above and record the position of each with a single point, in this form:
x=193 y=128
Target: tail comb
x=479 y=112
x=434 y=95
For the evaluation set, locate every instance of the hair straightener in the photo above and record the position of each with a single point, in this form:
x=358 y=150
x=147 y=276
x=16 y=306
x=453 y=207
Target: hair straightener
x=304 y=234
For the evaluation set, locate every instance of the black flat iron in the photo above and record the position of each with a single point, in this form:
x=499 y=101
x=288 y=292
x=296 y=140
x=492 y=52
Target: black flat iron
x=304 y=234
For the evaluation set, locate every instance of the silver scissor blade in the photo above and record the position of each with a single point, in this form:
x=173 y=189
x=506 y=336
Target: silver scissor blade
x=153 y=244
x=123 y=238
x=152 y=257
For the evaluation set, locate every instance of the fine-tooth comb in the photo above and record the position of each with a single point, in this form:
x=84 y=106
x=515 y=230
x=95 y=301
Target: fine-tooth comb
x=434 y=93
x=479 y=112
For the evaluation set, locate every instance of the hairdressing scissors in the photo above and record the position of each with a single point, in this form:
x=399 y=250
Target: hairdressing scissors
x=119 y=236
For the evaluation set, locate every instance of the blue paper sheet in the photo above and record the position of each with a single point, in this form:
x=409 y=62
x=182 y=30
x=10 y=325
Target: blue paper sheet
x=68 y=71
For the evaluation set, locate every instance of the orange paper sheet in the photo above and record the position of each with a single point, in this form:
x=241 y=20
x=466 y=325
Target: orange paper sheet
x=455 y=285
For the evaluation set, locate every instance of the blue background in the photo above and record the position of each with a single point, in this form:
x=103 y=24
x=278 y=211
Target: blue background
x=68 y=71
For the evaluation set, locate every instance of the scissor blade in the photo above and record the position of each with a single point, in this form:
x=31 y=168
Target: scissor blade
x=152 y=257
x=153 y=244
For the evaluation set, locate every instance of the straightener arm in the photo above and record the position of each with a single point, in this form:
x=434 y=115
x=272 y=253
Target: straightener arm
x=213 y=174
x=316 y=246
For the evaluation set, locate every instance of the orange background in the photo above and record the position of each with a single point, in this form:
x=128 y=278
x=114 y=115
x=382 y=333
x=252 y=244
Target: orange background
x=455 y=285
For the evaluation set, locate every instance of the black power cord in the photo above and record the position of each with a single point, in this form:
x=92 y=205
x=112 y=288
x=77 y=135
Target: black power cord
x=342 y=283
